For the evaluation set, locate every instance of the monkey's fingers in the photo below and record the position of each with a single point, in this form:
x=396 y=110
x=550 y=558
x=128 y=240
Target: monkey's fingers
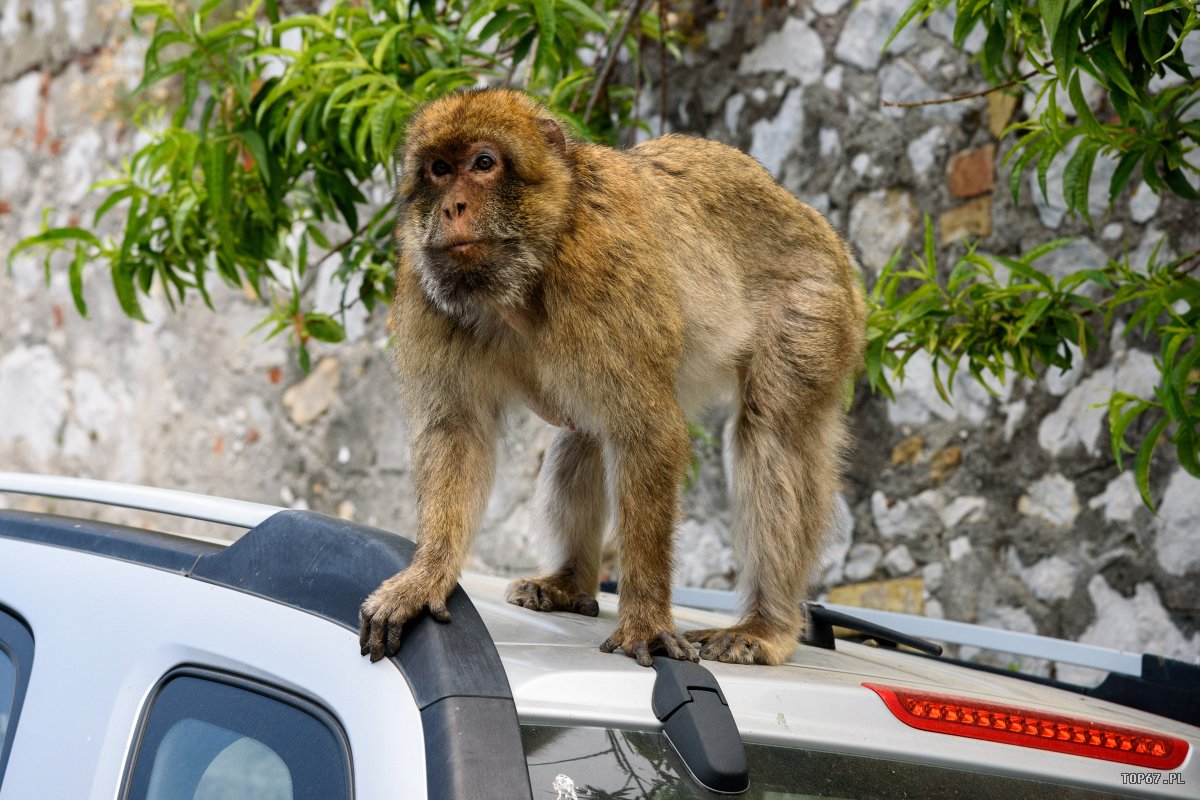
x=586 y=605
x=641 y=652
x=677 y=647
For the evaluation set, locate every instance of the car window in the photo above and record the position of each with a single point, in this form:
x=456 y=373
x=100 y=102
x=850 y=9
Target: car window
x=16 y=658
x=211 y=737
x=581 y=763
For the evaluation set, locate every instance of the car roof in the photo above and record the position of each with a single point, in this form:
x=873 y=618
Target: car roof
x=506 y=662
x=567 y=654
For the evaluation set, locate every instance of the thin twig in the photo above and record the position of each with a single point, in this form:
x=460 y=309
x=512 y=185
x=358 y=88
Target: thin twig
x=610 y=60
x=956 y=98
x=662 y=67
x=596 y=61
x=310 y=271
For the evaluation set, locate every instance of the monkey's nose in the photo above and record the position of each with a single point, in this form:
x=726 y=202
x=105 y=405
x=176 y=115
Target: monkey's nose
x=459 y=208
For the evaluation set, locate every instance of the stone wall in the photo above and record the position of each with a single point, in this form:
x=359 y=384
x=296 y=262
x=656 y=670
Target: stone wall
x=1005 y=510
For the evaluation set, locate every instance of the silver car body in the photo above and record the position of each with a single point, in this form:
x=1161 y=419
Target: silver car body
x=108 y=630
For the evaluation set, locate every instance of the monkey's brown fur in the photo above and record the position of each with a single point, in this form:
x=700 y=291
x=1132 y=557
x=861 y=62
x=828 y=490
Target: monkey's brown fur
x=615 y=293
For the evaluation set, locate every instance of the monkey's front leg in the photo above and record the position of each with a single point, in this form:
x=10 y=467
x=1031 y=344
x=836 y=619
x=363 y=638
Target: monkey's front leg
x=647 y=469
x=454 y=463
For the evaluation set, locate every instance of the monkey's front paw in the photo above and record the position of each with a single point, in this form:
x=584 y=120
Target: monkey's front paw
x=740 y=646
x=641 y=646
x=550 y=594
x=394 y=603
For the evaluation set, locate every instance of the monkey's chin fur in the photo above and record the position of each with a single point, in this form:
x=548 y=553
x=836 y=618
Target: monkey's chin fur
x=462 y=279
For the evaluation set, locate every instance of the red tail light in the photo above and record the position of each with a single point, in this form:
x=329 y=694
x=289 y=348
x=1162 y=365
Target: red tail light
x=1027 y=728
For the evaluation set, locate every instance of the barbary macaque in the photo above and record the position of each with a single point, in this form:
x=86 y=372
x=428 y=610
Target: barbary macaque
x=615 y=294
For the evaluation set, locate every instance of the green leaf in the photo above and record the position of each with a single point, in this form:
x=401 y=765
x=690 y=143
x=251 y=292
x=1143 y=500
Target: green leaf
x=323 y=328
x=76 y=280
x=1052 y=12
x=1122 y=173
x=53 y=236
x=1105 y=59
x=1145 y=455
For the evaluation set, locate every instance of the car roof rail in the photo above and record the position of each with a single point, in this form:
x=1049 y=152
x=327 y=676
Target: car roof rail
x=238 y=513
x=1164 y=686
x=472 y=733
x=944 y=630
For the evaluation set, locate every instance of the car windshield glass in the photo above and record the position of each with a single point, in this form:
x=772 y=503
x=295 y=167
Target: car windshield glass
x=8 y=688
x=591 y=763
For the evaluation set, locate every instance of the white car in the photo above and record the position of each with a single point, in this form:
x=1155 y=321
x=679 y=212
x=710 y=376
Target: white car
x=145 y=666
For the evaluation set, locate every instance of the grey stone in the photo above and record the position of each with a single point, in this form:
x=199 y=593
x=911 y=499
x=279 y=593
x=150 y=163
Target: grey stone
x=1143 y=203
x=862 y=562
x=733 y=112
x=880 y=222
x=833 y=79
x=14 y=174
x=959 y=548
x=967 y=508
x=1071 y=257
x=1050 y=579
x=837 y=543
x=1177 y=529
x=1052 y=499
x=829 y=7
x=703 y=554
x=1052 y=207
x=795 y=50
x=772 y=141
x=913 y=518
x=918 y=401
x=899 y=561
x=1058 y=382
x=79 y=166
x=1112 y=232
x=941 y=22
x=312 y=397
x=1014 y=415
x=932 y=575
x=719 y=33
x=1120 y=498
x=1078 y=418
x=830 y=143
x=924 y=151
x=866 y=30
x=1154 y=248
x=32 y=400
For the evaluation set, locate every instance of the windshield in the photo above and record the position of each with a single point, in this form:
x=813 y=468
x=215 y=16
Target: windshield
x=607 y=764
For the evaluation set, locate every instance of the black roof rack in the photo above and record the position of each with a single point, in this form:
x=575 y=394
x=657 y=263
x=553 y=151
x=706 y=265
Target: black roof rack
x=472 y=735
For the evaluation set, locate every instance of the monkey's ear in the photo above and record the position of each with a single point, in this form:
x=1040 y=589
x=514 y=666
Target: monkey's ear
x=554 y=135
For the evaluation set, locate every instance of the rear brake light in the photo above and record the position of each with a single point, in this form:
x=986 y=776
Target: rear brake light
x=1027 y=728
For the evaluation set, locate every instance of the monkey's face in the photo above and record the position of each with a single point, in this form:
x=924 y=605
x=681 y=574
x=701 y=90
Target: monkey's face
x=467 y=242
x=484 y=193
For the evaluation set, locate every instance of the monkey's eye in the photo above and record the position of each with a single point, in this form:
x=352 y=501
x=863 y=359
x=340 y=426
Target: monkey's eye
x=441 y=168
x=484 y=162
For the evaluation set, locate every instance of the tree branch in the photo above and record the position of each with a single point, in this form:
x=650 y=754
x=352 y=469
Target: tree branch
x=610 y=60
x=956 y=98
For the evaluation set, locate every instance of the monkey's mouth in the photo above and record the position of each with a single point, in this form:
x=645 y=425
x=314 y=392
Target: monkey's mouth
x=470 y=250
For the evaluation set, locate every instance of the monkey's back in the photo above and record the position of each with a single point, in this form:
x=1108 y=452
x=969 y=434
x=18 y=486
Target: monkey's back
x=740 y=242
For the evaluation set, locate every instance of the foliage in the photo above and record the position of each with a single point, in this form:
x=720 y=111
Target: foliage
x=259 y=170
x=973 y=317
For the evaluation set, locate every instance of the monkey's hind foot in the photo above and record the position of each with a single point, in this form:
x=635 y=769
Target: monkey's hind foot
x=551 y=594
x=745 y=643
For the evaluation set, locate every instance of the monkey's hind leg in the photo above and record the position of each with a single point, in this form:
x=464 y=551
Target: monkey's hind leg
x=786 y=441
x=571 y=509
